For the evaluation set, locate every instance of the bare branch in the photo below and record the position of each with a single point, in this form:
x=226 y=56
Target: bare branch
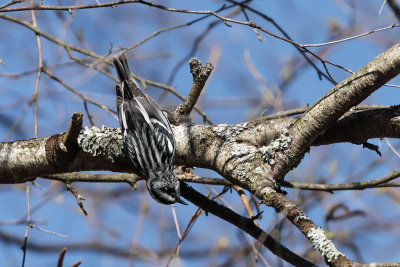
x=83 y=97
x=243 y=223
x=61 y=257
x=47 y=231
x=197 y=145
x=306 y=226
x=28 y=219
x=352 y=37
x=78 y=197
x=200 y=76
x=377 y=183
x=49 y=37
x=11 y=3
x=129 y=178
x=334 y=104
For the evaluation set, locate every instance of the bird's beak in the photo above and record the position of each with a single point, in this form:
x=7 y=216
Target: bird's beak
x=179 y=200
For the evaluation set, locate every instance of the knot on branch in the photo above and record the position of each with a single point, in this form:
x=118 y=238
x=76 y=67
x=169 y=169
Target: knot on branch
x=61 y=148
x=71 y=136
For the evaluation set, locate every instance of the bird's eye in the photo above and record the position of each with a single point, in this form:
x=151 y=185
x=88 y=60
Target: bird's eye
x=173 y=195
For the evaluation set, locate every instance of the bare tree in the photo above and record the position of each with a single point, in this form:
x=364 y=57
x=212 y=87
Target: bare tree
x=69 y=52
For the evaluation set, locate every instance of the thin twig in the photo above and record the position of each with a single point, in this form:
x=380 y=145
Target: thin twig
x=144 y=210
x=82 y=96
x=381 y=182
x=391 y=147
x=204 y=180
x=245 y=202
x=130 y=178
x=352 y=37
x=21 y=221
x=28 y=219
x=47 y=231
x=154 y=34
x=174 y=92
x=34 y=99
x=184 y=234
x=61 y=257
x=287 y=113
x=35 y=70
x=178 y=231
x=76 y=264
x=11 y=3
x=383 y=4
x=226 y=20
x=303 y=51
x=78 y=197
x=49 y=37
x=35 y=92
x=199 y=38
x=88 y=113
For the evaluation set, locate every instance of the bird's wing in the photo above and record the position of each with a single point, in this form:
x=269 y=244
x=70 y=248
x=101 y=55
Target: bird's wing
x=149 y=142
x=147 y=133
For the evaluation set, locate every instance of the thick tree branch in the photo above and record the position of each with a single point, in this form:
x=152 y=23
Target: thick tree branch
x=348 y=93
x=215 y=147
x=359 y=126
x=231 y=150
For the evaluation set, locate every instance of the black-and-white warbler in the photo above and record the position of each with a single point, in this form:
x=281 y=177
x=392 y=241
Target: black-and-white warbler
x=148 y=137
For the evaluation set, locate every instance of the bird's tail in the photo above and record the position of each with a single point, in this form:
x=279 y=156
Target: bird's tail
x=122 y=68
x=128 y=87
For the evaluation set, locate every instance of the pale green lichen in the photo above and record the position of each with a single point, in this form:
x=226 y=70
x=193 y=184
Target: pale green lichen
x=267 y=194
x=279 y=144
x=105 y=141
x=227 y=131
x=258 y=170
x=239 y=150
x=322 y=244
x=240 y=171
x=301 y=217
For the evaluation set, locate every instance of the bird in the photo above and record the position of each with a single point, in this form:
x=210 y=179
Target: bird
x=147 y=135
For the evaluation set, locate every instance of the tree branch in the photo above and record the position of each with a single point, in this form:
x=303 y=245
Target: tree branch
x=200 y=76
x=243 y=223
x=348 y=93
x=215 y=147
x=381 y=182
x=306 y=226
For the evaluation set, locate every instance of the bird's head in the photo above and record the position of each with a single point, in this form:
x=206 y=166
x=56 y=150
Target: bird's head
x=165 y=188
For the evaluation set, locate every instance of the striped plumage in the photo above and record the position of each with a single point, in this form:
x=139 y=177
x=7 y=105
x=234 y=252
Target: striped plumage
x=148 y=137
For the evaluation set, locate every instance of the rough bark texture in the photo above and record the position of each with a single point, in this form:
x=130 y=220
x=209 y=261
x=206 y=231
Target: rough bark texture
x=238 y=152
x=340 y=99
